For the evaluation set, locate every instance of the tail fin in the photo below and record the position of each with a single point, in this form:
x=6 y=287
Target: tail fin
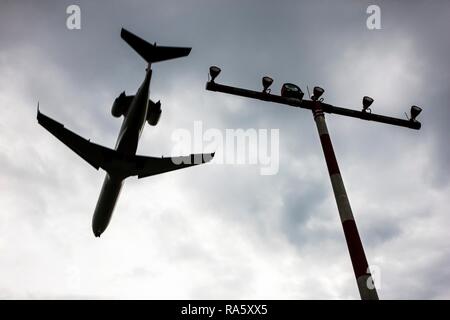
x=152 y=53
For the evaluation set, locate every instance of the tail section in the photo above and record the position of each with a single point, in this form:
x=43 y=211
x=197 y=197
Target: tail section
x=153 y=53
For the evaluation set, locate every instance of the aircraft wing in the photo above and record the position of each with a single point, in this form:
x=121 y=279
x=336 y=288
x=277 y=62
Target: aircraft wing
x=96 y=155
x=111 y=161
x=151 y=52
x=149 y=166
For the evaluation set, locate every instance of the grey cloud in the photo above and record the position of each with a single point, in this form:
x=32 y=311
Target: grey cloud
x=224 y=231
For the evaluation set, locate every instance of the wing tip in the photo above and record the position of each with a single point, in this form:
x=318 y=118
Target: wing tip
x=123 y=32
x=38 y=115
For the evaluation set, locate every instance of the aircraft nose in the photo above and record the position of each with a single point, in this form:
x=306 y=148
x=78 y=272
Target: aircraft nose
x=97 y=230
x=97 y=233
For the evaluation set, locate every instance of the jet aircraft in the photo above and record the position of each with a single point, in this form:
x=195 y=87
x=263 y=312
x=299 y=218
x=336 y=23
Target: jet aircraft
x=122 y=161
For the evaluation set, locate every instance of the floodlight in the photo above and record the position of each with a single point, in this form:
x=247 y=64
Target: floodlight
x=415 y=110
x=266 y=82
x=214 y=72
x=367 y=102
x=290 y=90
x=317 y=93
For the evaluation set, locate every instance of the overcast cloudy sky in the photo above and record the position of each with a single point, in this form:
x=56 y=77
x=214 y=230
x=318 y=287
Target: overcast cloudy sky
x=225 y=231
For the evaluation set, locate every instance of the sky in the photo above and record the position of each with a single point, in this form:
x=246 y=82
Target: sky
x=224 y=230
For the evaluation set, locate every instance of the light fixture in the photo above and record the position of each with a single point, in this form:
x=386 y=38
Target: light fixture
x=367 y=102
x=214 y=72
x=317 y=93
x=415 y=110
x=266 y=82
x=290 y=90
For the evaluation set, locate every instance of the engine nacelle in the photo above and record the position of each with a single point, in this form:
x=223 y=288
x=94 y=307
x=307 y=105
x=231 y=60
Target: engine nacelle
x=154 y=112
x=120 y=105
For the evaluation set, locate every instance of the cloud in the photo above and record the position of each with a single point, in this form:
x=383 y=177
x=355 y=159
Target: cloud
x=224 y=231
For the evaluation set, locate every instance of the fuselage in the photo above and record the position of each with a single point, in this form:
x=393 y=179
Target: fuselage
x=127 y=143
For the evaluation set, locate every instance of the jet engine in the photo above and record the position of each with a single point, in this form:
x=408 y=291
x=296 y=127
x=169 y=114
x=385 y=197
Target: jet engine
x=154 y=112
x=120 y=105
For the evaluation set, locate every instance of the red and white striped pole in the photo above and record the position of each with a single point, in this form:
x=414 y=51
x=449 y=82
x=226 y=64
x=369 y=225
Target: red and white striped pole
x=364 y=279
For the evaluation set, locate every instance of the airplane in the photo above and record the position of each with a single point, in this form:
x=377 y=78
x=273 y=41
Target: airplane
x=122 y=161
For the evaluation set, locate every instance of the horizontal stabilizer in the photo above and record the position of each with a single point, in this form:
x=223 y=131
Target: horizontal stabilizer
x=153 y=53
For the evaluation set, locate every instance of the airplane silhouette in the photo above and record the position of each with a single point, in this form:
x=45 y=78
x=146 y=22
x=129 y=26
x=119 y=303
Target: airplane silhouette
x=122 y=162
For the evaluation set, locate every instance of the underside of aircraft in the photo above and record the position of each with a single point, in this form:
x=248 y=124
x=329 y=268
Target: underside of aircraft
x=122 y=161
